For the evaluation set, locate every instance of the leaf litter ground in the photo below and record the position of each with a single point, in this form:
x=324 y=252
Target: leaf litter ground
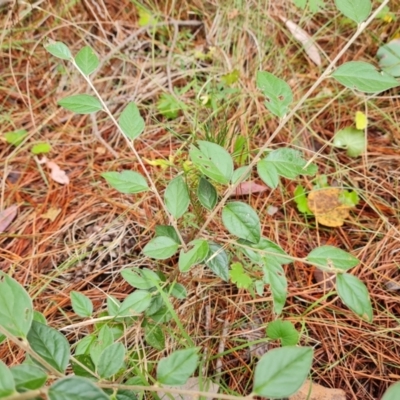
x=98 y=232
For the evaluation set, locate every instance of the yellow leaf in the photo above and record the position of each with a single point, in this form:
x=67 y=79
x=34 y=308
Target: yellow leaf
x=361 y=120
x=159 y=163
x=327 y=208
x=51 y=213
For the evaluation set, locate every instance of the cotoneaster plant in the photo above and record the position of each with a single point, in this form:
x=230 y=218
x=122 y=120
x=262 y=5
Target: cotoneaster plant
x=99 y=360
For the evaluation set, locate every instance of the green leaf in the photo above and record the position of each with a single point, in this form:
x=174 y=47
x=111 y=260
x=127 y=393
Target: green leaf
x=178 y=291
x=238 y=173
x=278 y=93
x=218 y=261
x=364 y=77
x=154 y=336
x=283 y=330
x=313 y=5
x=83 y=345
x=169 y=106
x=160 y=248
x=50 y=344
x=113 y=304
x=111 y=360
x=300 y=199
x=352 y=140
x=176 y=369
x=282 y=371
x=268 y=173
x=290 y=163
x=269 y=251
x=356 y=10
x=193 y=256
x=7 y=384
x=59 y=49
x=241 y=220
x=328 y=258
x=393 y=392
x=81 y=304
x=131 y=122
x=213 y=161
x=355 y=295
x=349 y=198
x=39 y=317
x=28 y=377
x=141 y=278
x=87 y=60
x=239 y=276
x=135 y=303
x=274 y=275
x=81 y=104
x=41 y=148
x=176 y=197
x=75 y=388
x=126 y=181
x=16 y=309
x=168 y=231
x=15 y=137
x=104 y=340
x=85 y=360
x=207 y=194
x=389 y=57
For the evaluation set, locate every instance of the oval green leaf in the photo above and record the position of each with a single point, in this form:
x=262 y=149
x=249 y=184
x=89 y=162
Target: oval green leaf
x=81 y=104
x=357 y=10
x=28 y=377
x=241 y=220
x=111 y=360
x=284 y=331
x=207 y=194
x=364 y=77
x=75 y=388
x=126 y=181
x=278 y=93
x=16 y=137
x=281 y=372
x=194 y=256
x=274 y=275
x=393 y=392
x=131 y=122
x=7 y=384
x=268 y=173
x=140 y=278
x=87 y=60
x=81 y=304
x=213 y=161
x=176 y=369
x=327 y=258
x=154 y=336
x=135 y=303
x=351 y=139
x=176 y=197
x=50 y=344
x=16 y=309
x=59 y=49
x=218 y=261
x=355 y=295
x=160 y=248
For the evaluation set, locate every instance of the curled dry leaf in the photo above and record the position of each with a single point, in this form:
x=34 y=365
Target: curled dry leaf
x=317 y=392
x=249 y=187
x=326 y=206
x=7 y=216
x=304 y=39
x=57 y=174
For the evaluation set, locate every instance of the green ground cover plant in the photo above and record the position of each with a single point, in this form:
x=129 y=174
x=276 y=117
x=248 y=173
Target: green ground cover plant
x=100 y=366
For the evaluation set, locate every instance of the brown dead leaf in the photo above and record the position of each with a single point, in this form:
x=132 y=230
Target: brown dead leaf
x=51 y=213
x=313 y=391
x=304 y=39
x=327 y=208
x=325 y=279
x=7 y=216
x=57 y=174
x=249 y=187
